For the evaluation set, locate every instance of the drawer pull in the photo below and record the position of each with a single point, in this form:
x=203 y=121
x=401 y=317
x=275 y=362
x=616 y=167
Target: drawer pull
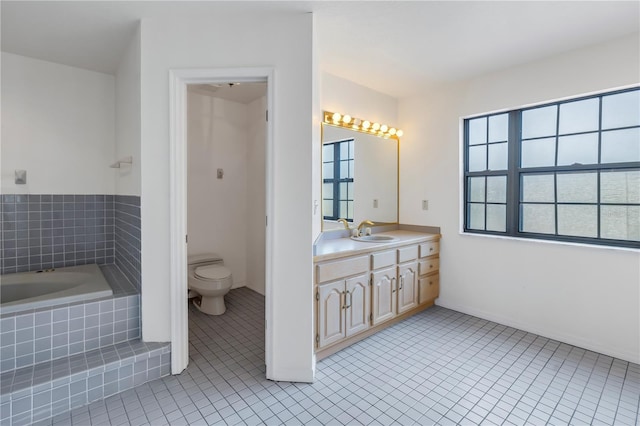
x=430 y=265
x=430 y=248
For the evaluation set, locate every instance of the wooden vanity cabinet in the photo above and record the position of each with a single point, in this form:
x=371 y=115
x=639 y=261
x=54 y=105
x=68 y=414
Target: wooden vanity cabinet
x=356 y=295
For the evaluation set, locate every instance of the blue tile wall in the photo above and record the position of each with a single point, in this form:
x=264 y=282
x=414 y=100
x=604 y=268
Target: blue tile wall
x=127 y=237
x=41 y=231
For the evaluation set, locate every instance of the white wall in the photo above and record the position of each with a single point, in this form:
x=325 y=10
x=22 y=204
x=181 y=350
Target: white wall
x=256 y=202
x=217 y=133
x=282 y=41
x=586 y=296
x=58 y=125
x=127 y=178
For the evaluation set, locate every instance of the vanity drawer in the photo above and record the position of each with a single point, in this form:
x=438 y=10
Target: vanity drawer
x=429 y=265
x=341 y=268
x=383 y=259
x=429 y=288
x=429 y=249
x=407 y=253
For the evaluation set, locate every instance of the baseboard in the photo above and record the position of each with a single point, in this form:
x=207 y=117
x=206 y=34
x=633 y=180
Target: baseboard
x=550 y=334
x=293 y=375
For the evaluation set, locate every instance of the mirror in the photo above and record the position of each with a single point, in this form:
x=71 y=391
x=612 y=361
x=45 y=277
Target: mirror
x=359 y=177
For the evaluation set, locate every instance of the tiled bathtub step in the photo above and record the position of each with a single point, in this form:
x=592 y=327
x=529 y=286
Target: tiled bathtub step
x=47 y=334
x=44 y=390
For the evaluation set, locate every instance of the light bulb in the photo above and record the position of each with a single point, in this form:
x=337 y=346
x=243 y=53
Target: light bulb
x=366 y=125
x=375 y=126
x=392 y=131
x=346 y=119
x=336 y=117
x=399 y=133
x=384 y=128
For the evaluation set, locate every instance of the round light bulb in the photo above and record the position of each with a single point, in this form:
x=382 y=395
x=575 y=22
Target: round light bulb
x=399 y=133
x=375 y=126
x=384 y=128
x=392 y=131
x=336 y=117
x=366 y=124
x=346 y=119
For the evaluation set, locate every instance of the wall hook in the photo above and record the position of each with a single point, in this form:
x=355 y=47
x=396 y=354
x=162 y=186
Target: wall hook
x=119 y=163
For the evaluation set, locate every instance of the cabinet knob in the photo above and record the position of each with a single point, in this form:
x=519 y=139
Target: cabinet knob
x=430 y=248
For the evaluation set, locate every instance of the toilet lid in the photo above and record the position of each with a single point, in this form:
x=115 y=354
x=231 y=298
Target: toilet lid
x=212 y=272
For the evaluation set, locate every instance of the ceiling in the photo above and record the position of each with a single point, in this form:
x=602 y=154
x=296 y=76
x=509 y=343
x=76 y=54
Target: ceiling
x=396 y=47
x=243 y=93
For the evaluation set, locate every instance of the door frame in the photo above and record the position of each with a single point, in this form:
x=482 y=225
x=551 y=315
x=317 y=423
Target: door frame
x=178 y=81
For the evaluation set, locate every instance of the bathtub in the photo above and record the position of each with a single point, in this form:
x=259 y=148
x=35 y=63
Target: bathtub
x=31 y=290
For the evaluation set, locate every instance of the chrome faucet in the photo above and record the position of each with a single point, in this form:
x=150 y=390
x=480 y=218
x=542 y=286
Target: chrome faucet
x=362 y=224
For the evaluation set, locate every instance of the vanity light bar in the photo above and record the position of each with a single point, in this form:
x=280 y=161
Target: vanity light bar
x=382 y=130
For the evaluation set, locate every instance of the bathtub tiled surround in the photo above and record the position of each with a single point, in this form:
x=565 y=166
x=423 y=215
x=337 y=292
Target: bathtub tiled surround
x=41 y=231
x=127 y=237
x=57 y=359
x=52 y=231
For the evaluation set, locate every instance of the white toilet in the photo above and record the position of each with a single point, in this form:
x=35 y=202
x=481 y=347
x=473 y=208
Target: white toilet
x=211 y=280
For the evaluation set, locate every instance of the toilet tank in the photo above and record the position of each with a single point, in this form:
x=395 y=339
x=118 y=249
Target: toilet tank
x=206 y=258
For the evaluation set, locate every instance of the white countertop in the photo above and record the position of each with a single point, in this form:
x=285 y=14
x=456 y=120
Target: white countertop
x=340 y=247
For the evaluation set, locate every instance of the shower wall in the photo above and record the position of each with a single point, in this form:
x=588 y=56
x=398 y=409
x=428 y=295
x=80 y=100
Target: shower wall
x=58 y=124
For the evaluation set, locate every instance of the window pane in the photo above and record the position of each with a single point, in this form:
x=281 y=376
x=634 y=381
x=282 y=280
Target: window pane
x=344 y=195
x=496 y=189
x=344 y=170
x=621 y=110
x=327 y=152
x=538 y=188
x=350 y=210
x=620 y=146
x=539 y=122
x=327 y=170
x=578 y=220
x=327 y=207
x=351 y=168
x=350 y=149
x=499 y=128
x=620 y=222
x=539 y=152
x=327 y=190
x=477 y=158
x=343 y=209
x=350 y=190
x=577 y=187
x=344 y=150
x=580 y=116
x=581 y=149
x=538 y=218
x=620 y=187
x=476 y=216
x=476 y=189
x=496 y=217
x=478 y=131
x=498 y=156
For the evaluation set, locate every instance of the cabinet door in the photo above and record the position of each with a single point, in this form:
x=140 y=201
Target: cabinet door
x=358 y=302
x=407 y=286
x=384 y=295
x=331 y=326
x=429 y=288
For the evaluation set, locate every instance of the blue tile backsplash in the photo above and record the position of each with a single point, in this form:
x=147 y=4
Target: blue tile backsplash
x=41 y=231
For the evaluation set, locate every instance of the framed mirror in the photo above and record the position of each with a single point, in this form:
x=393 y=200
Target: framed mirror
x=359 y=177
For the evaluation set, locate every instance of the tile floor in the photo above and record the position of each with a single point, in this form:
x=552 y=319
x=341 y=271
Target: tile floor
x=438 y=367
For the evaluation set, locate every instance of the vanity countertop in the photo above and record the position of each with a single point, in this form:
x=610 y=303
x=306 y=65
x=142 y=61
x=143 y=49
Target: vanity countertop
x=341 y=247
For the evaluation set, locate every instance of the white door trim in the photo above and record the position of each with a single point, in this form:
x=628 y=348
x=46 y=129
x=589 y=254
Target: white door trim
x=178 y=80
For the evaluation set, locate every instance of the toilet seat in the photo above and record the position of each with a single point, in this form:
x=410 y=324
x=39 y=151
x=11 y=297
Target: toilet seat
x=212 y=272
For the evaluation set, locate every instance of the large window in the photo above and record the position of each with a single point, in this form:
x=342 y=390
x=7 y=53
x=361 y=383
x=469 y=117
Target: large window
x=337 y=182
x=566 y=171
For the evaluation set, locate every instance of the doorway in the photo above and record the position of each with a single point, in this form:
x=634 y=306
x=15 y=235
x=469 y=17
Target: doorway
x=214 y=80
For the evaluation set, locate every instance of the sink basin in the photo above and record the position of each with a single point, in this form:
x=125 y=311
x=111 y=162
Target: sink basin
x=375 y=238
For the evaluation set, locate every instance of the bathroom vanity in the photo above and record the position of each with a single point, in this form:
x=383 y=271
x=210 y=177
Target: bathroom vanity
x=363 y=287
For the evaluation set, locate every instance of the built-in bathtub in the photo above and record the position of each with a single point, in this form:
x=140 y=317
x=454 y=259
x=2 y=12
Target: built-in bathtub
x=25 y=291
